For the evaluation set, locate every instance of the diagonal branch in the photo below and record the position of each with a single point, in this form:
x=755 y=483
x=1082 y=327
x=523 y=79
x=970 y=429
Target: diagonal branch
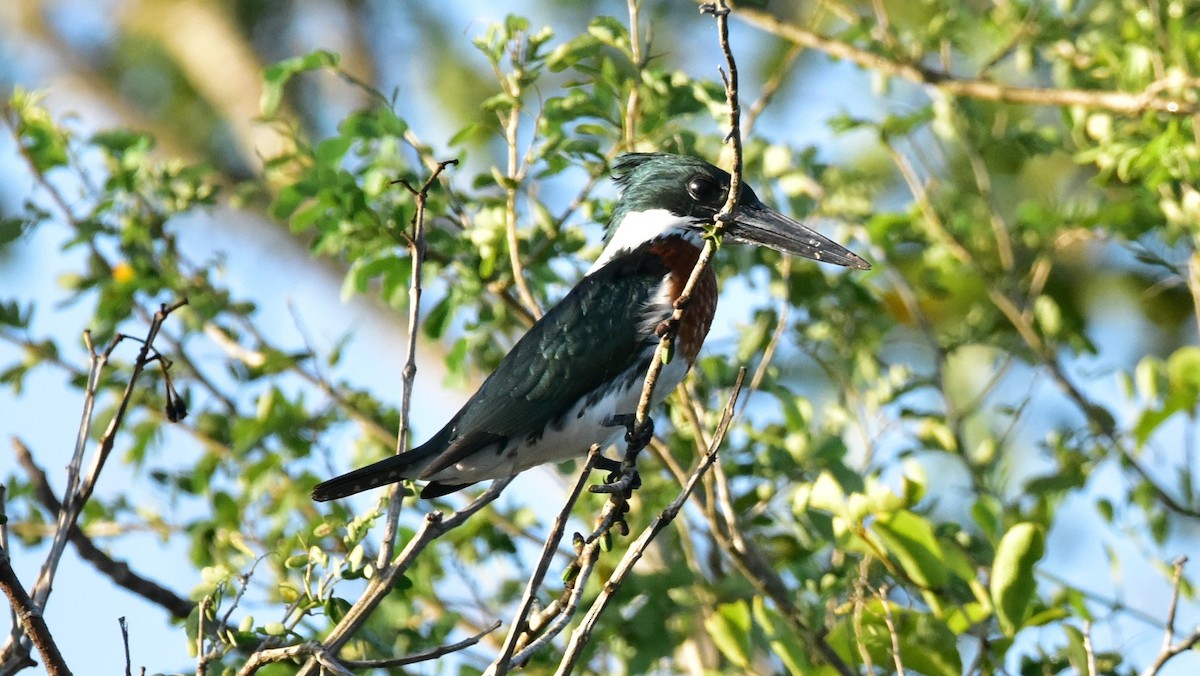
x=29 y=616
x=519 y=625
x=118 y=571
x=77 y=493
x=433 y=527
x=582 y=633
x=1126 y=103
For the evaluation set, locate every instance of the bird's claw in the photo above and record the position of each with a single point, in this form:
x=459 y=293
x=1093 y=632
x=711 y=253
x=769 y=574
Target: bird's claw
x=637 y=436
x=607 y=464
x=623 y=478
x=666 y=327
x=621 y=482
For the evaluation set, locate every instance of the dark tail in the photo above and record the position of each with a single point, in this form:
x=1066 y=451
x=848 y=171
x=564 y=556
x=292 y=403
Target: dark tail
x=386 y=471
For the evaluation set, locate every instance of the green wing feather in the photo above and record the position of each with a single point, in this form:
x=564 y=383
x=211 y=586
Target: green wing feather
x=600 y=329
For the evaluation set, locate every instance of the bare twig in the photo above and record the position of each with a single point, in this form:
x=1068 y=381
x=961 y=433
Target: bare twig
x=515 y=174
x=125 y=642
x=1088 y=651
x=1169 y=648
x=77 y=493
x=317 y=653
x=417 y=254
x=564 y=612
x=424 y=656
x=1176 y=581
x=582 y=633
x=518 y=625
x=202 y=658
x=892 y=632
x=117 y=571
x=31 y=622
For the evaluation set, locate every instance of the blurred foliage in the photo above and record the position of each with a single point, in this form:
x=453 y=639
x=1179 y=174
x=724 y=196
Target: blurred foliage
x=904 y=462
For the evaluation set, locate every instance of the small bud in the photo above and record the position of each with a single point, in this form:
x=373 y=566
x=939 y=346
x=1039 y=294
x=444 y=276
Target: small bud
x=176 y=410
x=571 y=572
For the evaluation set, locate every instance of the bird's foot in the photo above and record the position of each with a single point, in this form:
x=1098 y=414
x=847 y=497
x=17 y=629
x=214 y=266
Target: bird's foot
x=616 y=479
x=622 y=482
x=623 y=478
x=666 y=327
x=637 y=436
x=607 y=464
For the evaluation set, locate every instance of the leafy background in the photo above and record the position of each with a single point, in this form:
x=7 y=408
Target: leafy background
x=988 y=442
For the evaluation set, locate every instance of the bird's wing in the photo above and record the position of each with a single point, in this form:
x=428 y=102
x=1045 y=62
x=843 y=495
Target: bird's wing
x=602 y=327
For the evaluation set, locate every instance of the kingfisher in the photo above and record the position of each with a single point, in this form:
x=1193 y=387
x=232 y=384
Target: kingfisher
x=580 y=368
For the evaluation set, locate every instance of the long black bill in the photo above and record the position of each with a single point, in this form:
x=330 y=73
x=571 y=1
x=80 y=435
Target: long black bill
x=756 y=223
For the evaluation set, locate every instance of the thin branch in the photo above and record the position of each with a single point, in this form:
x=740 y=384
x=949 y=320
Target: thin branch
x=97 y=361
x=562 y=612
x=417 y=254
x=425 y=656
x=582 y=633
x=125 y=642
x=76 y=494
x=117 y=571
x=892 y=633
x=202 y=658
x=434 y=526
x=1088 y=651
x=32 y=623
x=1169 y=648
x=518 y=626
x=312 y=649
x=514 y=177
x=1127 y=103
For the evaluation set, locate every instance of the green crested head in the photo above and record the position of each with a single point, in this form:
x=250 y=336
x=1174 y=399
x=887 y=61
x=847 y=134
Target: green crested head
x=665 y=195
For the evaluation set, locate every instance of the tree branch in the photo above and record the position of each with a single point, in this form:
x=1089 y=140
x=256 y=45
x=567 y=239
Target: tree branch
x=582 y=633
x=1169 y=648
x=417 y=254
x=518 y=626
x=76 y=494
x=32 y=623
x=1126 y=103
x=118 y=571
x=434 y=526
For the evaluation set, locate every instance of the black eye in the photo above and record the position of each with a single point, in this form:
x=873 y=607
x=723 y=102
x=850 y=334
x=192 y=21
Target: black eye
x=703 y=189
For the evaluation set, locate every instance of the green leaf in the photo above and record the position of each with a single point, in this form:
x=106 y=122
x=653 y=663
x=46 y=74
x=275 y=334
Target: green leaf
x=1183 y=375
x=910 y=538
x=927 y=646
x=276 y=77
x=1013 y=585
x=782 y=638
x=729 y=628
